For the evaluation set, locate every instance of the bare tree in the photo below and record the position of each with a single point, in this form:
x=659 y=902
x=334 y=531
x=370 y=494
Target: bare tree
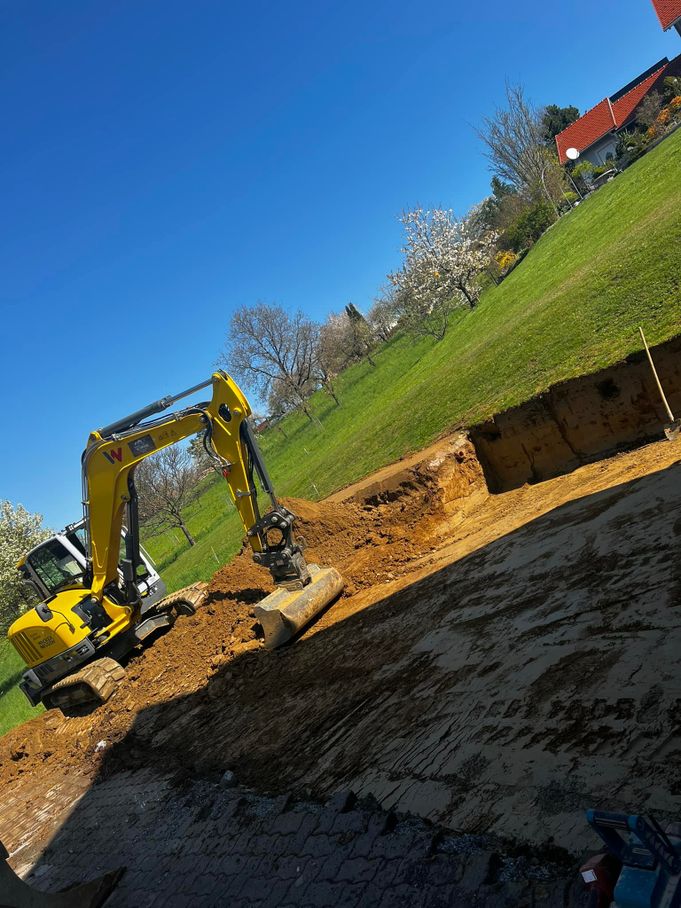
x=201 y=457
x=343 y=339
x=328 y=361
x=515 y=141
x=269 y=347
x=166 y=484
x=279 y=403
x=384 y=315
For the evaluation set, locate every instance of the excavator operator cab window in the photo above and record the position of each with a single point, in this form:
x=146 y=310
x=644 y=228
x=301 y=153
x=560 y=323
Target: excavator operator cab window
x=55 y=566
x=77 y=539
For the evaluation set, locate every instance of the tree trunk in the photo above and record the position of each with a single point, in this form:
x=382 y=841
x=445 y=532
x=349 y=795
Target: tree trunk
x=188 y=536
x=472 y=302
x=548 y=195
x=311 y=416
x=331 y=390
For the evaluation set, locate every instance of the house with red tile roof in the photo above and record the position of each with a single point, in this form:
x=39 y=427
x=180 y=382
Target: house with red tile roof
x=669 y=13
x=596 y=133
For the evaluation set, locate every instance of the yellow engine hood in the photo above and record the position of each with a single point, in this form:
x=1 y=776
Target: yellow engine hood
x=37 y=640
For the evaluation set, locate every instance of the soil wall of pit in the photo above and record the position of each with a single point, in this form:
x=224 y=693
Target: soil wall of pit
x=580 y=421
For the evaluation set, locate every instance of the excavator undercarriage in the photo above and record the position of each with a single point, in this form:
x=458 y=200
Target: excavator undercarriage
x=94 y=684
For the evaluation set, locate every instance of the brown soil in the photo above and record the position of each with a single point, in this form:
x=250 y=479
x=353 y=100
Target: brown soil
x=496 y=662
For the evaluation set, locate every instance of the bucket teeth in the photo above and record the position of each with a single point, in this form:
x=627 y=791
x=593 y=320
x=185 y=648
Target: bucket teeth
x=285 y=612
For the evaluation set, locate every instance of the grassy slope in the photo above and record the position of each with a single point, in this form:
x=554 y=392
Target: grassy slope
x=571 y=307
x=14 y=707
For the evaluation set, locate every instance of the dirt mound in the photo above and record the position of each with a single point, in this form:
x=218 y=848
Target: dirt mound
x=371 y=538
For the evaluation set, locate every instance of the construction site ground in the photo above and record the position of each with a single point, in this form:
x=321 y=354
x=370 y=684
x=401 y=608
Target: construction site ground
x=497 y=664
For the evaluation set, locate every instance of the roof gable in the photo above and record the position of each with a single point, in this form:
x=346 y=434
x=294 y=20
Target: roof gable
x=668 y=12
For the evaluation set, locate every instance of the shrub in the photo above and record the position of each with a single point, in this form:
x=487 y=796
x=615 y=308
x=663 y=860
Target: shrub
x=631 y=146
x=582 y=173
x=527 y=229
x=505 y=258
x=583 y=169
x=671 y=88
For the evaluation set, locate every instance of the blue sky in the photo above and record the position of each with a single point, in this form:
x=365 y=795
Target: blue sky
x=163 y=163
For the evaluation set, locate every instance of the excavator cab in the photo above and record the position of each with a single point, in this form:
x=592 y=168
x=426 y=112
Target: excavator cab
x=61 y=561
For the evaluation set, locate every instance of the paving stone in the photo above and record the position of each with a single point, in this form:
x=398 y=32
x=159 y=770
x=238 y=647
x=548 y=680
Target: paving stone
x=318 y=846
x=352 y=823
x=358 y=870
x=288 y=823
x=322 y=894
x=203 y=845
x=476 y=871
x=277 y=894
x=306 y=829
x=342 y=801
x=444 y=870
x=392 y=845
x=331 y=865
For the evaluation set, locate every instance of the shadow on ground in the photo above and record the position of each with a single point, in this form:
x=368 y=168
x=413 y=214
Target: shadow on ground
x=502 y=694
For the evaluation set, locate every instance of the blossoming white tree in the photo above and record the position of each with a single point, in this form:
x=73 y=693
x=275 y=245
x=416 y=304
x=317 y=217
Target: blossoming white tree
x=19 y=531
x=442 y=259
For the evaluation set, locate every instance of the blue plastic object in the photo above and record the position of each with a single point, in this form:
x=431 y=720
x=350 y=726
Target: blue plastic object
x=651 y=859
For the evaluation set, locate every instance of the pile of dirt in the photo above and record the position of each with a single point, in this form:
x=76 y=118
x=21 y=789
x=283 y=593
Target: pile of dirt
x=370 y=539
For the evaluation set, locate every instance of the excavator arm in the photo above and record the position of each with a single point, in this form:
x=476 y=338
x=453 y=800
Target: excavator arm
x=110 y=499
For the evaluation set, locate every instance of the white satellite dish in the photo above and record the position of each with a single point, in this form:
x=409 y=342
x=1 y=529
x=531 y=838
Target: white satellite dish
x=572 y=154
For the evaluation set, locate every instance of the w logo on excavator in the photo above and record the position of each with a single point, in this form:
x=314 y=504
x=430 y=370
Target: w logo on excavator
x=114 y=454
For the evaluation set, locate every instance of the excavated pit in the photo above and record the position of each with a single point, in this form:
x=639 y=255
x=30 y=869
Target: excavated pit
x=580 y=421
x=497 y=663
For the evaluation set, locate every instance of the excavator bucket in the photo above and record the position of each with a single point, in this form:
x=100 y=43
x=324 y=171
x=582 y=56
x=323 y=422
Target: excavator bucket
x=285 y=612
x=15 y=893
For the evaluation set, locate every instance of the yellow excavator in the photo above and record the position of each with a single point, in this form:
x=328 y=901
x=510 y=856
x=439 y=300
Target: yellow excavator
x=102 y=604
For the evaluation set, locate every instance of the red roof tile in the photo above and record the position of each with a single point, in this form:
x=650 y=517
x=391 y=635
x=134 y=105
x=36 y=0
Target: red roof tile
x=668 y=11
x=588 y=129
x=624 y=107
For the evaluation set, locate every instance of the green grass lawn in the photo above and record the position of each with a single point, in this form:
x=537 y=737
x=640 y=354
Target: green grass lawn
x=14 y=707
x=573 y=306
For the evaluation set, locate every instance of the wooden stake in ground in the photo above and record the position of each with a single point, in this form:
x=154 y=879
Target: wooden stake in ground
x=672 y=429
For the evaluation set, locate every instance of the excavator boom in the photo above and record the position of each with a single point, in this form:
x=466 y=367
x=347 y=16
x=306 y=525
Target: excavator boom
x=109 y=497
